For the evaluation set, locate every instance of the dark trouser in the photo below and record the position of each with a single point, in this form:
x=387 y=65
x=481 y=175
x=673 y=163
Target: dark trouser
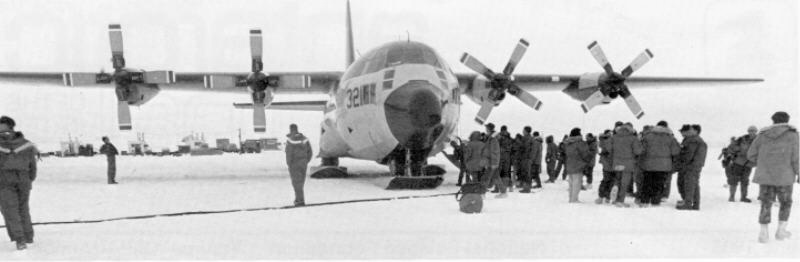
x=587 y=172
x=461 y=173
x=739 y=175
x=474 y=176
x=638 y=181
x=691 y=187
x=489 y=177
x=551 y=171
x=679 y=183
x=667 y=185
x=15 y=190
x=625 y=178
x=297 y=172
x=652 y=187
x=112 y=168
x=525 y=172
x=767 y=196
x=609 y=180
x=535 y=171
x=559 y=167
x=505 y=166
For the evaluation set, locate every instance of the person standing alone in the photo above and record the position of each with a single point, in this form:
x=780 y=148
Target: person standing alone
x=774 y=152
x=17 y=172
x=298 y=154
x=111 y=153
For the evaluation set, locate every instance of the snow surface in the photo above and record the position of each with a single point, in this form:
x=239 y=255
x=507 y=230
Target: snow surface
x=540 y=225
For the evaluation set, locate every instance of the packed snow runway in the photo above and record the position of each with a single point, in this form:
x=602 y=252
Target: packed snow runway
x=540 y=225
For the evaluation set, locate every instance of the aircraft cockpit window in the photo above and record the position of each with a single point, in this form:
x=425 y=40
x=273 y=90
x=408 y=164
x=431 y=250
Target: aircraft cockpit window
x=411 y=54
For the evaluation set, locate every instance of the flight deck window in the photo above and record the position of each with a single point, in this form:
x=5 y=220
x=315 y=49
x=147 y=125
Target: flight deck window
x=411 y=54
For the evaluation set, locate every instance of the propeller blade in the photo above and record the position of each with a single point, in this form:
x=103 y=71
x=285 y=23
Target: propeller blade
x=124 y=115
x=516 y=56
x=634 y=106
x=526 y=97
x=600 y=56
x=256 y=50
x=593 y=100
x=476 y=66
x=259 y=118
x=637 y=63
x=115 y=39
x=483 y=113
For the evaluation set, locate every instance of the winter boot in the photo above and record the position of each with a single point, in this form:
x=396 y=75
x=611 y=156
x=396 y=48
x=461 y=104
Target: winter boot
x=501 y=195
x=21 y=245
x=686 y=205
x=620 y=204
x=782 y=233
x=744 y=195
x=763 y=236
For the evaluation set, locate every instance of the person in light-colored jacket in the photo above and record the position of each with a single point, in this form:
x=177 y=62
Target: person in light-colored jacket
x=774 y=152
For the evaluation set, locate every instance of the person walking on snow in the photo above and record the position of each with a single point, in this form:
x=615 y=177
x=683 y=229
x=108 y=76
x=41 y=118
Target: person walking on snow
x=741 y=166
x=298 y=154
x=111 y=153
x=17 y=172
x=774 y=153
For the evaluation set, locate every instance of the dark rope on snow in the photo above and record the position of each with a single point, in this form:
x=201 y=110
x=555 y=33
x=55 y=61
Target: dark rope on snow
x=236 y=210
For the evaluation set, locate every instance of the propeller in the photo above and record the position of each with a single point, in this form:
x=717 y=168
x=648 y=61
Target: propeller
x=119 y=77
x=257 y=82
x=612 y=84
x=501 y=83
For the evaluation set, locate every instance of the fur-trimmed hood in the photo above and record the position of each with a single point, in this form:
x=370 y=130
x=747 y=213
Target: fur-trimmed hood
x=776 y=130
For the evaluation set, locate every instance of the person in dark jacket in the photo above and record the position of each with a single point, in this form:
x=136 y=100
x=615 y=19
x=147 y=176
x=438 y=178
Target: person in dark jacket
x=536 y=154
x=476 y=157
x=492 y=175
x=660 y=147
x=458 y=154
x=111 y=153
x=526 y=159
x=726 y=157
x=577 y=156
x=774 y=152
x=741 y=166
x=690 y=163
x=515 y=158
x=550 y=159
x=17 y=172
x=298 y=154
x=591 y=141
x=560 y=158
x=624 y=149
x=604 y=191
x=505 y=142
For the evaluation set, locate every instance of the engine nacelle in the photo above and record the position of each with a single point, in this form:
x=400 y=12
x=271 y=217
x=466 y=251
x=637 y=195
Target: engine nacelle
x=480 y=90
x=138 y=94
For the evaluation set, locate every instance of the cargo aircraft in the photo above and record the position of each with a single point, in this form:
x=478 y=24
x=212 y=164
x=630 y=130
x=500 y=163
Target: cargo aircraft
x=397 y=104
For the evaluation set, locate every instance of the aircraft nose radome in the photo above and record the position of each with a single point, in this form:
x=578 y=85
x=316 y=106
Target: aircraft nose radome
x=412 y=111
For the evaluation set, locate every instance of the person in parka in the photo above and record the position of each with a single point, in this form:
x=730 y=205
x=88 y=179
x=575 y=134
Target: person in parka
x=298 y=154
x=515 y=159
x=576 y=157
x=624 y=149
x=691 y=160
x=458 y=155
x=726 y=157
x=492 y=175
x=476 y=157
x=560 y=157
x=505 y=142
x=536 y=164
x=550 y=159
x=591 y=141
x=774 y=153
x=111 y=153
x=659 y=148
x=741 y=166
x=610 y=179
x=526 y=159
x=17 y=172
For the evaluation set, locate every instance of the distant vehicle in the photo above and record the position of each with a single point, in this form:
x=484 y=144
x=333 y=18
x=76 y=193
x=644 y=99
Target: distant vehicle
x=251 y=146
x=270 y=144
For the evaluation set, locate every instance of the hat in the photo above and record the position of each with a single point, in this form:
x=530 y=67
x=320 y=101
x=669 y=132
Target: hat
x=662 y=123
x=8 y=121
x=618 y=123
x=752 y=128
x=575 y=132
x=697 y=128
x=685 y=128
x=780 y=117
x=526 y=129
x=490 y=126
x=503 y=128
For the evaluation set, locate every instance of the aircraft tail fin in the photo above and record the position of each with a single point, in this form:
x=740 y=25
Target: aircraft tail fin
x=350 y=49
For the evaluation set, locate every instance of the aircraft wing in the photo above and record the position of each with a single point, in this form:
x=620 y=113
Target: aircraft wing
x=284 y=82
x=531 y=82
x=293 y=106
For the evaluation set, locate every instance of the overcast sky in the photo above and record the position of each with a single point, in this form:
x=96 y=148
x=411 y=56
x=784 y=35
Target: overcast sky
x=688 y=38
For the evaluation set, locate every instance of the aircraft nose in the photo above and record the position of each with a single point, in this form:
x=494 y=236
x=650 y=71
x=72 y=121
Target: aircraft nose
x=412 y=111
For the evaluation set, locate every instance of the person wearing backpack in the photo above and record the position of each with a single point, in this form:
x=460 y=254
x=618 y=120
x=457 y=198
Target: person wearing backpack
x=475 y=157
